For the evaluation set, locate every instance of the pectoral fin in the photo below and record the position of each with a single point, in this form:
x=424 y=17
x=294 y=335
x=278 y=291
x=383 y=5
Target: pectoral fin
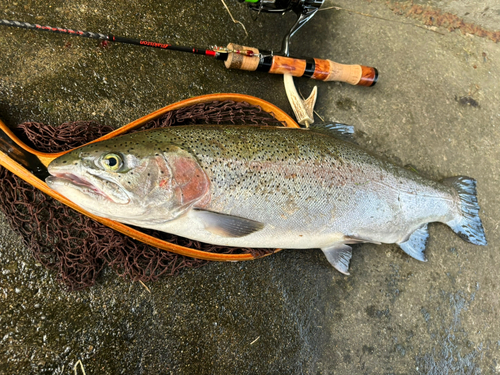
x=339 y=256
x=227 y=225
x=414 y=246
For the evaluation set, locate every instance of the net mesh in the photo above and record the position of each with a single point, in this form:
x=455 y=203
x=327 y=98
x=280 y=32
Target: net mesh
x=78 y=248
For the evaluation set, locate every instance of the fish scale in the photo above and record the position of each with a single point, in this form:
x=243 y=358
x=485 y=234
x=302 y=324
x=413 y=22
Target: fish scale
x=255 y=186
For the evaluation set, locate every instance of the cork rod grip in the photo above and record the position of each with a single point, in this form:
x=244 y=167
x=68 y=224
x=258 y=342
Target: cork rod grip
x=327 y=70
x=322 y=70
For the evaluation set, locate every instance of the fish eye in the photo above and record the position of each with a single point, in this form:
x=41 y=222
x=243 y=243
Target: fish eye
x=112 y=162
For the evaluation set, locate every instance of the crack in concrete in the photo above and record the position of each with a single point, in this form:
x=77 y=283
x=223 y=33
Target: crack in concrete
x=432 y=16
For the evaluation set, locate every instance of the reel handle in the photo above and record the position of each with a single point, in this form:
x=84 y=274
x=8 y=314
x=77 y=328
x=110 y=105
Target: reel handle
x=248 y=58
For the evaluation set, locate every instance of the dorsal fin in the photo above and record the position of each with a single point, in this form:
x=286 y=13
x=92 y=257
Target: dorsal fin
x=338 y=130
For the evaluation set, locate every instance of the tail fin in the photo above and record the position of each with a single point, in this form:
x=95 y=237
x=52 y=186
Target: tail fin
x=468 y=225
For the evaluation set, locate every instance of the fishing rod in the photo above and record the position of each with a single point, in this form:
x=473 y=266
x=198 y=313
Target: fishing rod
x=248 y=58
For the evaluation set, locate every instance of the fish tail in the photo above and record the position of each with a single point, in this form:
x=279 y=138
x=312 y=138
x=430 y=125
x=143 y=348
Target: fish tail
x=468 y=224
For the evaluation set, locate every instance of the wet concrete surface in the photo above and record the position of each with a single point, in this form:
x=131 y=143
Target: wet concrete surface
x=435 y=107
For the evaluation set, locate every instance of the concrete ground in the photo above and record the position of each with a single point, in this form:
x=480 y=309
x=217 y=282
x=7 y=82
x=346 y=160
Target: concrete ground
x=435 y=107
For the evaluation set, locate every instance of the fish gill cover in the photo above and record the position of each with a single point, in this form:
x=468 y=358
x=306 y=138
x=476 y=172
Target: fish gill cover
x=78 y=248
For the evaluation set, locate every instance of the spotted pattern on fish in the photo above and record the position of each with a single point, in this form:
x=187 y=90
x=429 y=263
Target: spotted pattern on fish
x=282 y=187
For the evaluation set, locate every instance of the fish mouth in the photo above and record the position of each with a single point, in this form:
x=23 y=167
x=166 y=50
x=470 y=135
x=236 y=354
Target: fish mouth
x=85 y=186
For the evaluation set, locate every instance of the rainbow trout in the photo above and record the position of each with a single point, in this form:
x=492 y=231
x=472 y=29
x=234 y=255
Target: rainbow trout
x=254 y=186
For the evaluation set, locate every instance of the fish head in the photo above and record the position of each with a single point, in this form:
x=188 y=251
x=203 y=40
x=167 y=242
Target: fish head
x=151 y=183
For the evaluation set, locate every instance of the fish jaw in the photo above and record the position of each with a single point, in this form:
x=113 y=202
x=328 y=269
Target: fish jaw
x=86 y=189
x=68 y=181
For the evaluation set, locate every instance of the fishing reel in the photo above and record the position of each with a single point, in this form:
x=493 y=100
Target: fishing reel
x=304 y=9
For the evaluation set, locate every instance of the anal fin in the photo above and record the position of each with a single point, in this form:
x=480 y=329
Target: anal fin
x=227 y=225
x=339 y=256
x=414 y=246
